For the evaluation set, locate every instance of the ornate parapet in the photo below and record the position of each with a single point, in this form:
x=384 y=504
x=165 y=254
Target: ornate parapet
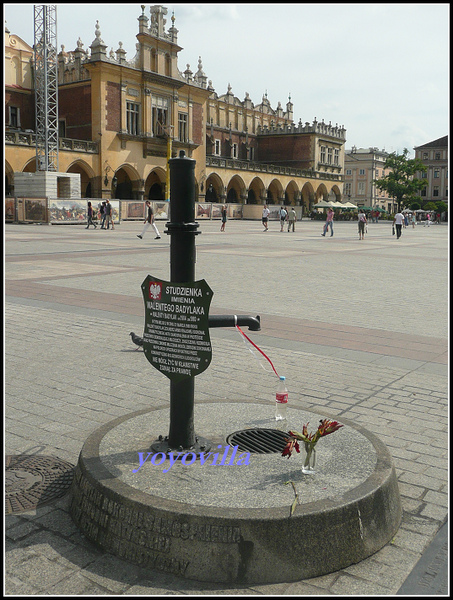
x=257 y=167
x=318 y=127
x=22 y=138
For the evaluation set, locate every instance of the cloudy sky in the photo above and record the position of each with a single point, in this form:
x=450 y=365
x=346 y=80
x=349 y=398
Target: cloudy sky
x=381 y=70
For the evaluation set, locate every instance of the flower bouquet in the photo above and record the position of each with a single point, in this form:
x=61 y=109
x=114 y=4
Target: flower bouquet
x=310 y=440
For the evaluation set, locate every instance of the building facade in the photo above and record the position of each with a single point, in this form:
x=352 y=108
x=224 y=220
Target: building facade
x=434 y=156
x=120 y=120
x=361 y=167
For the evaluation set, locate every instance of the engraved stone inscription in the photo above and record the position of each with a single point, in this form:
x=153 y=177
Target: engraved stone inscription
x=141 y=537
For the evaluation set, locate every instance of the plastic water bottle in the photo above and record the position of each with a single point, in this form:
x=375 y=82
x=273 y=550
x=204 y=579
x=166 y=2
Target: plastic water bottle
x=281 y=400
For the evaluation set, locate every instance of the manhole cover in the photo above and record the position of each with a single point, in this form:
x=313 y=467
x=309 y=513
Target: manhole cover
x=259 y=441
x=34 y=480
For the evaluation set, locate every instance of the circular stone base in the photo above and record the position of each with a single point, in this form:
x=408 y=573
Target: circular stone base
x=233 y=517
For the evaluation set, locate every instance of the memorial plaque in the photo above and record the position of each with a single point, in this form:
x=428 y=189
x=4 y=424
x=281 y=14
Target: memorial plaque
x=176 y=338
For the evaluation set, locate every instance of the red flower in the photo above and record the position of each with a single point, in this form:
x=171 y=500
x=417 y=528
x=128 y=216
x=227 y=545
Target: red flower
x=290 y=446
x=325 y=427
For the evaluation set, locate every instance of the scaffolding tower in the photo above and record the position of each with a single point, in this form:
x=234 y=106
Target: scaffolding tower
x=46 y=86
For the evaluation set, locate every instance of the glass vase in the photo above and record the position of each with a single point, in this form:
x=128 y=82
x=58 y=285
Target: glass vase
x=309 y=458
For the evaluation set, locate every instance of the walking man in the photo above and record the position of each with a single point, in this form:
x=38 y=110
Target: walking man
x=149 y=221
x=108 y=215
x=398 y=223
x=292 y=219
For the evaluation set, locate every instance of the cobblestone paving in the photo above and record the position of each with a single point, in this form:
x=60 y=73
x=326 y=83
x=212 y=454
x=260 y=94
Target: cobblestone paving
x=73 y=296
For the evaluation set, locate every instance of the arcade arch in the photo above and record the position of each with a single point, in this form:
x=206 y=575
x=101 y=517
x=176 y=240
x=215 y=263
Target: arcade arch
x=321 y=193
x=256 y=191
x=274 y=192
x=127 y=182
x=291 y=193
x=155 y=185
x=307 y=197
x=235 y=190
x=214 y=188
x=86 y=176
x=335 y=193
x=9 y=179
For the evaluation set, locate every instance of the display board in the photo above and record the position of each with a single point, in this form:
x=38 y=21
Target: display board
x=176 y=337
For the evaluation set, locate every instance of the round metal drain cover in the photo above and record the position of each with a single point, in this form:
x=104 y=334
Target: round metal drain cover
x=258 y=441
x=31 y=481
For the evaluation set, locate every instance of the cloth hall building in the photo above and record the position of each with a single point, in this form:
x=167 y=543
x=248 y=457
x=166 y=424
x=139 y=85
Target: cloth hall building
x=120 y=120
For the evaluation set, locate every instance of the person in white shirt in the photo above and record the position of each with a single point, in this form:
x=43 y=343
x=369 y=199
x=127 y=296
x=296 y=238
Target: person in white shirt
x=265 y=217
x=398 y=223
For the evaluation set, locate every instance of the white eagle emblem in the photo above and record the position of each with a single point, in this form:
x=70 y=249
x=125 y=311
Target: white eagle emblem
x=155 y=290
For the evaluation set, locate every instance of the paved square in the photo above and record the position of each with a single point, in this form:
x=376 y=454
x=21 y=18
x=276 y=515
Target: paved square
x=359 y=329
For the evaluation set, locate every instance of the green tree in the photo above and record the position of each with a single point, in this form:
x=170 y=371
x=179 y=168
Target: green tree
x=441 y=206
x=401 y=183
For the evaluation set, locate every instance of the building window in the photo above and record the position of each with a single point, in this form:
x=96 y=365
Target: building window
x=323 y=154
x=329 y=156
x=160 y=116
x=252 y=153
x=235 y=151
x=436 y=173
x=347 y=189
x=361 y=189
x=437 y=156
x=217 y=147
x=132 y=118
x=348 y=171
x=425 y=156
x=61 y=128
x=336 y=157
x=361 y=171
x=14 y=120
x=423 y=193
x=436 y=191
x=182 y=127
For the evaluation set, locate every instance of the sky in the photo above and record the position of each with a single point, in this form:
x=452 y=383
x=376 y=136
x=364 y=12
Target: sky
x=380 y=70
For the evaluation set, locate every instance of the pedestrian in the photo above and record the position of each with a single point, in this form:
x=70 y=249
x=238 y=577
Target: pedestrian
x=413 y=219
x=265 y=217
x=398 y=223
x=224 y=217
x=428 y=220
x=292 y=217
x=329 y=221
x=362 y=224
x=283 y=216
x=102 y=214
x=108 y=215
x=90 y=217
x=149 y=221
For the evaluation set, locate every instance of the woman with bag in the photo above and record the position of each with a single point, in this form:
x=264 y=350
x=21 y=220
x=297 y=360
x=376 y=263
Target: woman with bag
x=362 y=224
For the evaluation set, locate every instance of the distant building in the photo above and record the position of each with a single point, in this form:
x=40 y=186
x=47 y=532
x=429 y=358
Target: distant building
x=116 y=116
x=434 y=155
x=361 y=167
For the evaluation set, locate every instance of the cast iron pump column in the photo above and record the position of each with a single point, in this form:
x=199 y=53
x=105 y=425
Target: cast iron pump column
x=182 y=228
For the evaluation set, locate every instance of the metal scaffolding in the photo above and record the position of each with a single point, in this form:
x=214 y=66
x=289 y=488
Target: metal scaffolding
x=46 y=86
